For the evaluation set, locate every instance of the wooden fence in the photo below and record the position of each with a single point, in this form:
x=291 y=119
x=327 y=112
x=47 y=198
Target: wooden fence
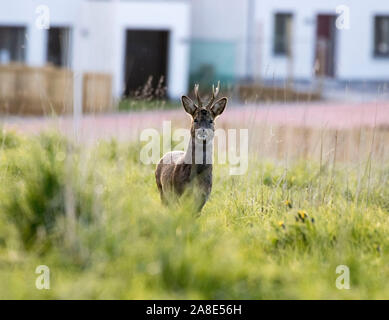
x=258 y=92
x=97 y=92
x=49 y=90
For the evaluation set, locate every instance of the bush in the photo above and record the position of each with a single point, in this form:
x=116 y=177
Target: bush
x=40 y=179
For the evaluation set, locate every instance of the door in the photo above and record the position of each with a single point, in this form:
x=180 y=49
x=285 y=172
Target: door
x=325 y=45
x=146 y=63
x=58 y=46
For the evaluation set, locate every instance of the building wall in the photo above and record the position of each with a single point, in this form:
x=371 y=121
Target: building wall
x=219 y=38
x=168 y=15
x=98 y=33
x=354 y=47
x=23 y=12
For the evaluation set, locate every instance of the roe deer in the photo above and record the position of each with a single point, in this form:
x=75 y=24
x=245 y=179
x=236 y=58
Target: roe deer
x=178 y=171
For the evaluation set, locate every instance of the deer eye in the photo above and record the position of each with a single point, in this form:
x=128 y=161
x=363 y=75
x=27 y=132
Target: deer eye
x=195 y=120
x=210 y=121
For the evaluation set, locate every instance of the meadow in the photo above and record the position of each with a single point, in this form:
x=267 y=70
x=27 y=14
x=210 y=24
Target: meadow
x=93 y=216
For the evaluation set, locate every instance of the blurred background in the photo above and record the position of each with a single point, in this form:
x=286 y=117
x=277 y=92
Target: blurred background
x=88 y=57
x=81 y=79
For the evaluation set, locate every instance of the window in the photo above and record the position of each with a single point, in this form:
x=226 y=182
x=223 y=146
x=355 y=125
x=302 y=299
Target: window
x=58 y=46
x=282 y=33
x=381 y=36
x=12 y=44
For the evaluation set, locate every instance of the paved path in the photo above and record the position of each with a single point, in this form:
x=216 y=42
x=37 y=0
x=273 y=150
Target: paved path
x=127 y=125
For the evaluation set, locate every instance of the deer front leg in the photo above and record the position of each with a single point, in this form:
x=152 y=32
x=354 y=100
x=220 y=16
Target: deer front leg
x=202 y=190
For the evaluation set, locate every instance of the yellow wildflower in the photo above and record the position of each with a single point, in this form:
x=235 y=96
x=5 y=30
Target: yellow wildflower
x=281 y=224
x=302 y=215
x=288 y=203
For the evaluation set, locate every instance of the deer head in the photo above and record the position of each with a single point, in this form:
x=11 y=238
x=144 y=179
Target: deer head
x=203 y=115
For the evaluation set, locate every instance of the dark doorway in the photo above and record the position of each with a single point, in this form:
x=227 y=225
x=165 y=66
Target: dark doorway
x=58 y=46
x=325 y=45
x=146 y=63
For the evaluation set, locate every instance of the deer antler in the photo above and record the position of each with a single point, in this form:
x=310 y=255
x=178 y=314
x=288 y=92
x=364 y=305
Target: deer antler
x=196 y=91
x=214 y=94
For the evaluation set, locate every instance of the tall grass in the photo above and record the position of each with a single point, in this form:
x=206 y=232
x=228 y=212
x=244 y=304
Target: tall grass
x=94 y=217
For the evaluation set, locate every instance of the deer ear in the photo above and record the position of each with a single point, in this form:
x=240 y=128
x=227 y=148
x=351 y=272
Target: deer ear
x=188 y=105
x=219 y=106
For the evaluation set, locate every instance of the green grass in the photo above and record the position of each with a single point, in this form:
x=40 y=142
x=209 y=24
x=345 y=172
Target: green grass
x=146 y=104
x=94 y=217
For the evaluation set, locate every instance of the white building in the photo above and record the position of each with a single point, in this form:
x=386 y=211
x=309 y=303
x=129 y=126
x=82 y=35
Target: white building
x=267 y=39
x=219 y=30
x=128 y=39
x=192 y=40
x=357 y=51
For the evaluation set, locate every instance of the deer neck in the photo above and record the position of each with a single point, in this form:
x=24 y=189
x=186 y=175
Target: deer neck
x=199 y=157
